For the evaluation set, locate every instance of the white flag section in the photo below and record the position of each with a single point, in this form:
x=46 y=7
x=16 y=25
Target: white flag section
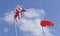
x=30 y=21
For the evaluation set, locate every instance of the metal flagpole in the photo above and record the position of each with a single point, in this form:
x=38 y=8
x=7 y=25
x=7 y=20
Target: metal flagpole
x=15 y=28
x=43 y=31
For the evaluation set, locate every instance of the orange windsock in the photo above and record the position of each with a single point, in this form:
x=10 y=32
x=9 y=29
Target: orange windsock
x=47 y=23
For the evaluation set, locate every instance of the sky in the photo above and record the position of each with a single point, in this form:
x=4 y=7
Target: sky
x=50 y=7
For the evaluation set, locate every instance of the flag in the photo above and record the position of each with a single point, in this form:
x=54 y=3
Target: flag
x=17 y=13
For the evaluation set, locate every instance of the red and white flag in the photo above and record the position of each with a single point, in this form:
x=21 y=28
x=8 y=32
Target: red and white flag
x=19 y=11
x=16 y=16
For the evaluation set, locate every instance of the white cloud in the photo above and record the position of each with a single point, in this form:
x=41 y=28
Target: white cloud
x=9 y=17
x=30 y=22
x=34 y=13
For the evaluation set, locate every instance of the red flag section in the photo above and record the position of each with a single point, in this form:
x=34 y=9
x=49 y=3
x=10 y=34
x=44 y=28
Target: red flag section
x=16 y=14
x=46 y=23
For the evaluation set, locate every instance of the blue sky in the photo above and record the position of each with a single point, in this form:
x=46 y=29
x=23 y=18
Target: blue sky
x=51 y=7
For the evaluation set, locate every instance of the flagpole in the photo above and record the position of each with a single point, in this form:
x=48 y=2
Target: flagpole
x=43 y=31
x=15 y=28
